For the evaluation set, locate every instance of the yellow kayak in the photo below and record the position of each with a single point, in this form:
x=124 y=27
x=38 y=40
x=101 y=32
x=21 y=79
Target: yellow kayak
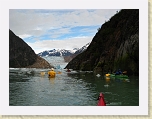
x=107 y=75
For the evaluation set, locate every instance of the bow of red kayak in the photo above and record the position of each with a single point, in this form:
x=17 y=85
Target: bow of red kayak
x=101 y=101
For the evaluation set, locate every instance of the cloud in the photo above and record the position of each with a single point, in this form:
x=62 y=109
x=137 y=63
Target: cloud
x=57 y=32
x=24 y=36
x=70 y=43
x=27 y=21
x=42 y=28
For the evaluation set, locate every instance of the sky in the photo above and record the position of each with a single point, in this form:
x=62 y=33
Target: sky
x=46 y=29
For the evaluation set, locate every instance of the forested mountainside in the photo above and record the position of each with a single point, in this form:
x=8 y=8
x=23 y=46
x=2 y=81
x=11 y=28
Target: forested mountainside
x=115 y=46
x=21 y=55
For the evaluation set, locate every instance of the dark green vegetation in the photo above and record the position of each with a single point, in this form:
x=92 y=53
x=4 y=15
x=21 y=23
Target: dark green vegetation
x=21 y=54
x=115 y=46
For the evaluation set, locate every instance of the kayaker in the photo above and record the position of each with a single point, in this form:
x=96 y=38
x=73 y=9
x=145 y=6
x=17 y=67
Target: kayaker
x=124 y=72
x=68 y=70
x=118 y=72
x=52 y=73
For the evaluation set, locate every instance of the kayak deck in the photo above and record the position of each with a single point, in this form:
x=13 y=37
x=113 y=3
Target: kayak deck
x=117 y=76
x=101 y=101
x=120 y=75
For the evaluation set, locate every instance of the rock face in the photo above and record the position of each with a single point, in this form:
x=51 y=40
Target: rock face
x=21 y=54
x=115 y=46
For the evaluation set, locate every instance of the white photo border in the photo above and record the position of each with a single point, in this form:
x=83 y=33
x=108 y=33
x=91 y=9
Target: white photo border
x=142 y=109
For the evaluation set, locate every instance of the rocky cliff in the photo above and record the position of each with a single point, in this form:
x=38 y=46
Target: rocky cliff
x=115 y=46
x=21 y=54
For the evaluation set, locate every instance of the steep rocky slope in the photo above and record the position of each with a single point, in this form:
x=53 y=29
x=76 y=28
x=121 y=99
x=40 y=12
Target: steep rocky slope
x=21 y=54
x=115 y=46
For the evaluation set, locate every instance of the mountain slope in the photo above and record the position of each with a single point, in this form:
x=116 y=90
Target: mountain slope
x=21 y=54
x=114 y=46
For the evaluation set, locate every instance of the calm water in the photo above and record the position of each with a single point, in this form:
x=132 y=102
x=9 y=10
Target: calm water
x=28 y=88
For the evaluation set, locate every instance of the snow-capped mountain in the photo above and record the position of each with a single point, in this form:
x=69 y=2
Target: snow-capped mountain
x=82 y=49
x=63 y=52
x=69 y=58
x=55 y=52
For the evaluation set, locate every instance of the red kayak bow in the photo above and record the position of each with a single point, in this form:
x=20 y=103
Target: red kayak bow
x=101 y=101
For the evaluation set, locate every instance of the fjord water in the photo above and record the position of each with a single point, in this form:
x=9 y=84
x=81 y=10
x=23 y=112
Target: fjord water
x=27 y=87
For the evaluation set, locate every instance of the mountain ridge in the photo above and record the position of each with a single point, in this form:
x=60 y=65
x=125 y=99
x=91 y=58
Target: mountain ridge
x=114 y=46
x=67 y=54
x=56 y=52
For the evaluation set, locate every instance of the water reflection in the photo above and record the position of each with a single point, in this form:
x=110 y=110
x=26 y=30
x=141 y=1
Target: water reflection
x=42 y=73
x=107 y=82
x=52 y=80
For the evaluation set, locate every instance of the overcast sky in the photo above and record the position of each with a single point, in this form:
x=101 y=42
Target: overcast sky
x=57 y=29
